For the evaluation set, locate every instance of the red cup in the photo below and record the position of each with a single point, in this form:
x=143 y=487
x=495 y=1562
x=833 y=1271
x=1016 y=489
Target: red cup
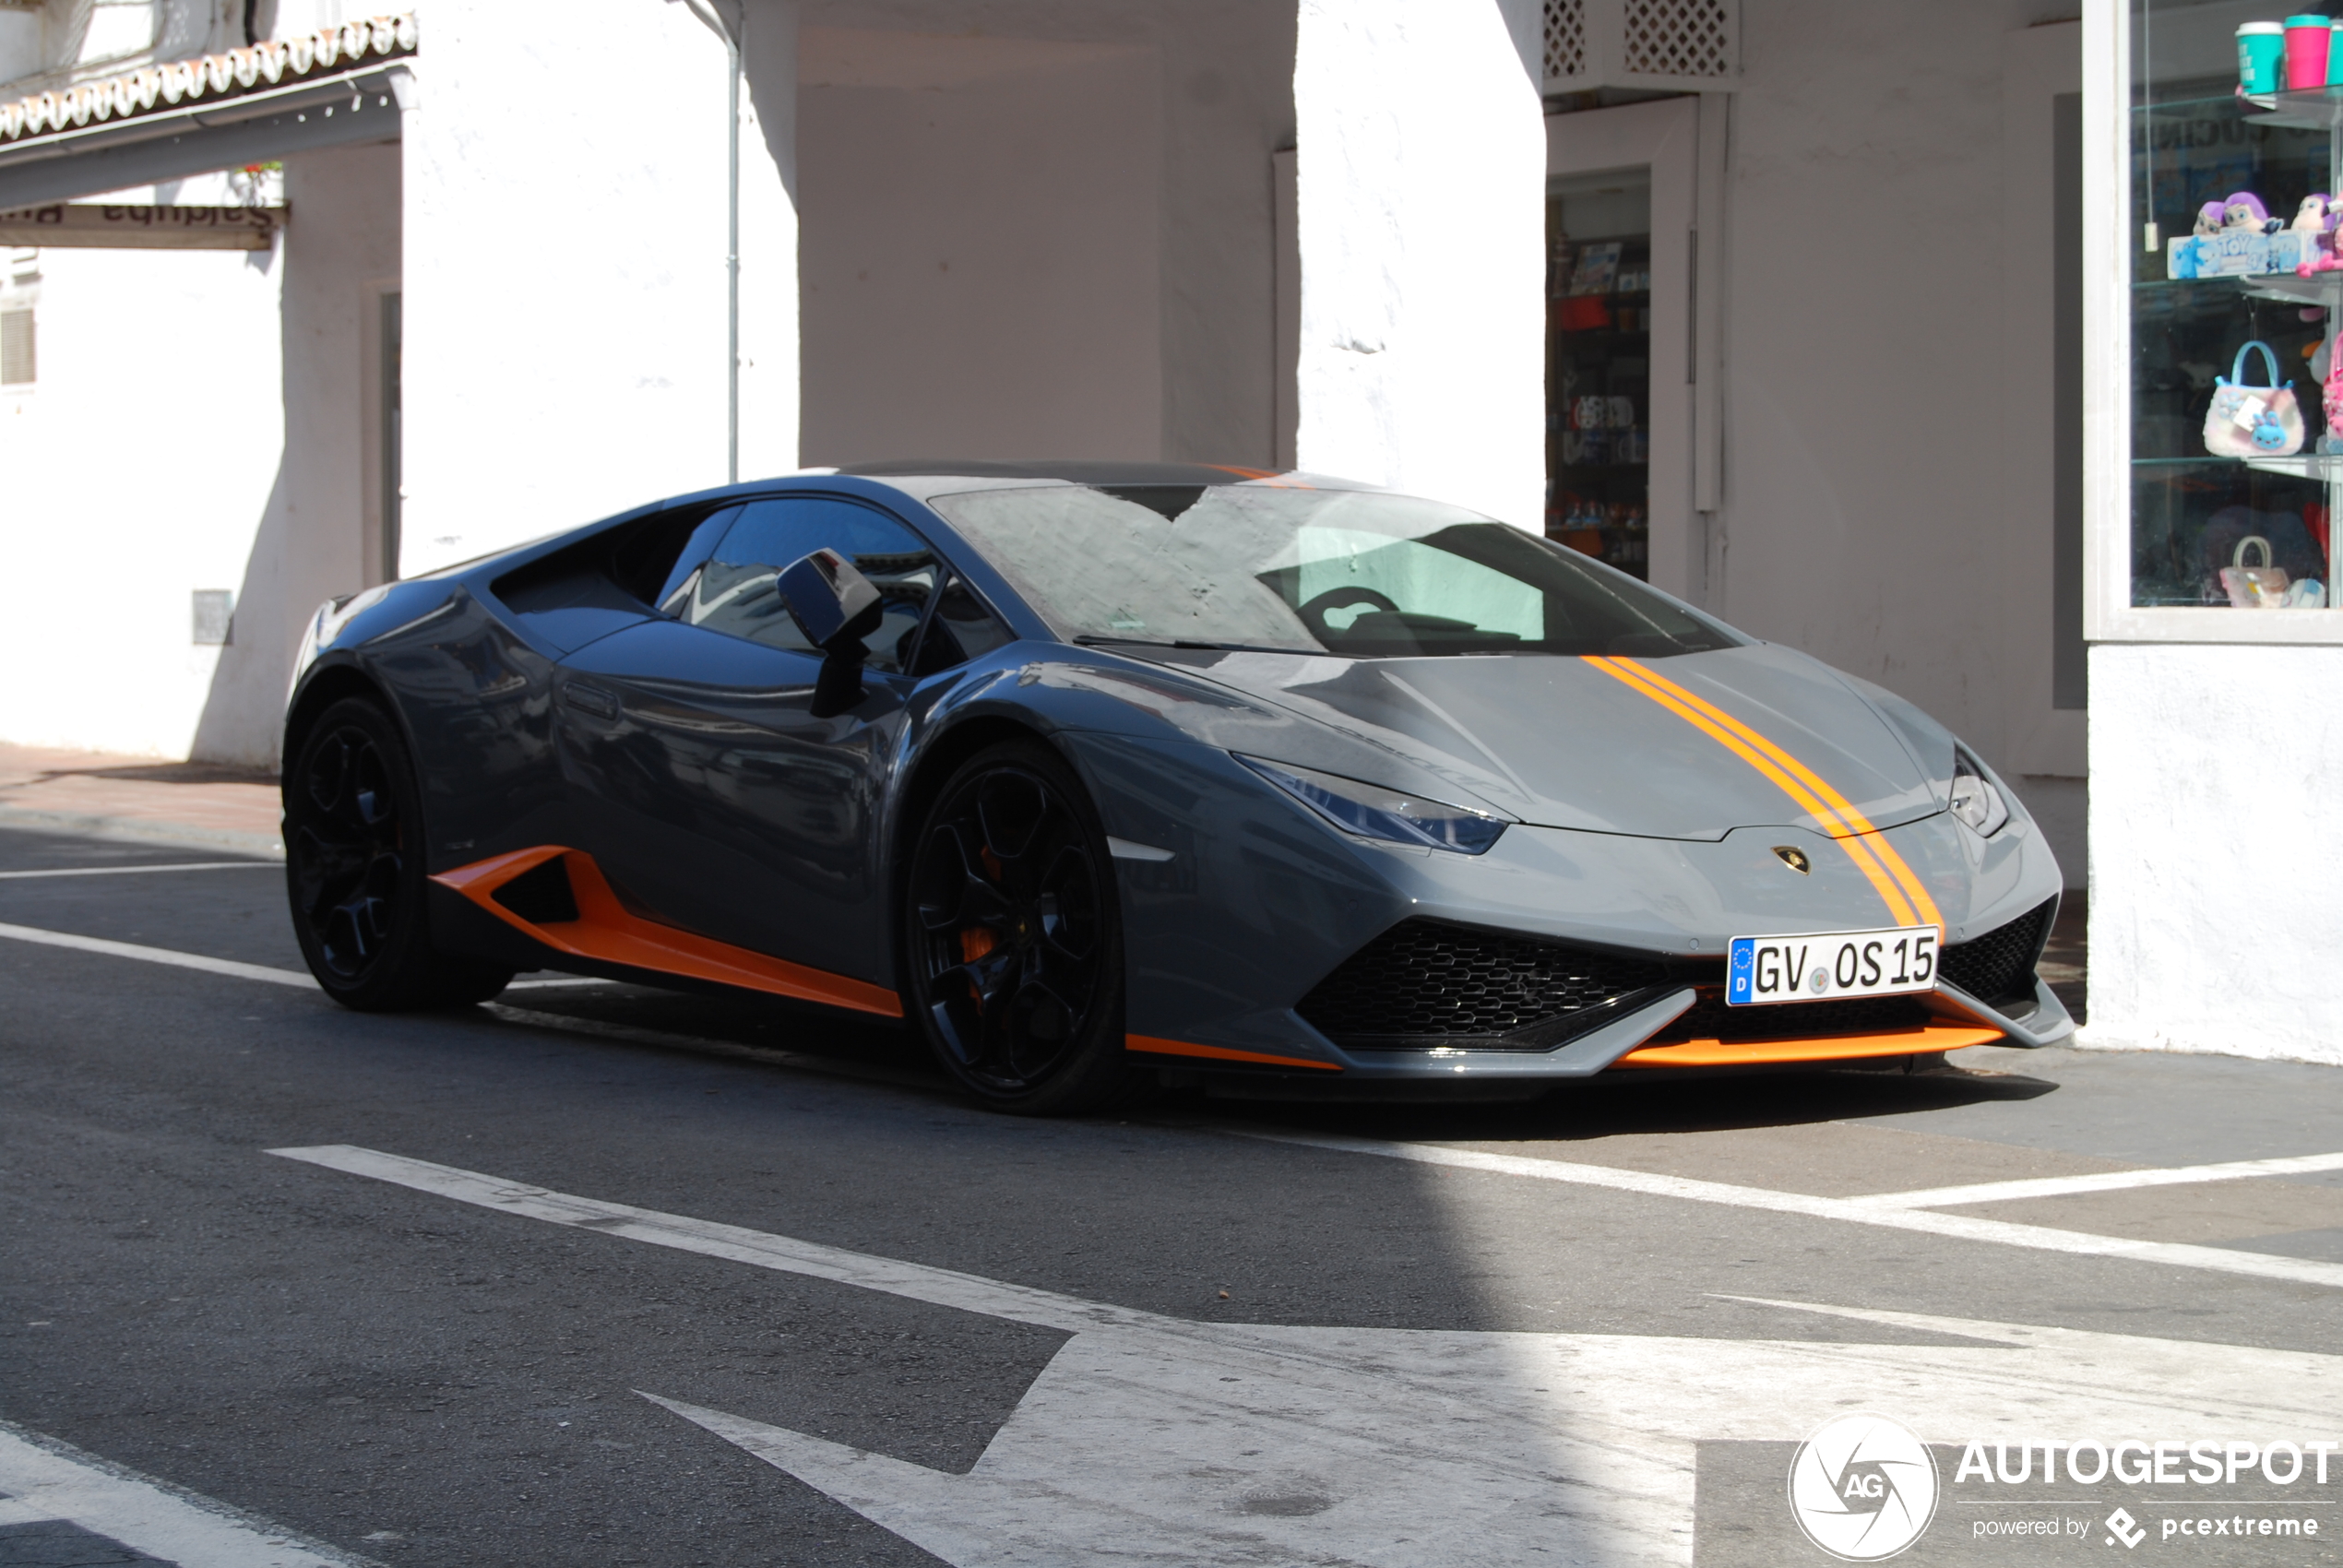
x=2306 y=44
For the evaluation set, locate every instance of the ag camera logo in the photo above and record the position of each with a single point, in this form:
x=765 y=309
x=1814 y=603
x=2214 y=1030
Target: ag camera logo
x=1862 y=1488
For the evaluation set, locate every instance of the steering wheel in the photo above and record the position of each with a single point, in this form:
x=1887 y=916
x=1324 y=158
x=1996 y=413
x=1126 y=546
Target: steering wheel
x=1313 y=612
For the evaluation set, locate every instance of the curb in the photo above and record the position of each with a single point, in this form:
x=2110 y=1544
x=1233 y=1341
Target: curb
x=143 y=829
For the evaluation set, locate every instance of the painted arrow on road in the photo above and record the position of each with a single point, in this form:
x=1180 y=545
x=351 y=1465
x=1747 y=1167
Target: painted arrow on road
x=1153 y=1438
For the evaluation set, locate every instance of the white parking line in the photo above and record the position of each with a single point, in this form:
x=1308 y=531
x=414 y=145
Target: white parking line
x=1958 y=1226
x=1149 y=1438
x=2104 y=1181
x=155 y=955
x=1895 y=1211
x=128 y=871
x=44 y=1481
x=942 y=1286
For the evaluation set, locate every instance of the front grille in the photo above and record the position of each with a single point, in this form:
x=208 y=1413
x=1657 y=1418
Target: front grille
x=1426 y=983
x=1999 y=965
x=1429 y=982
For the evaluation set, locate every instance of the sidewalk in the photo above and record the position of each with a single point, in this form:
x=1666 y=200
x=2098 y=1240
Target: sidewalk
x=131 y=797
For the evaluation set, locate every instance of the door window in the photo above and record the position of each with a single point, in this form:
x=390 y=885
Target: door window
x=962 y=629
x=736 y=591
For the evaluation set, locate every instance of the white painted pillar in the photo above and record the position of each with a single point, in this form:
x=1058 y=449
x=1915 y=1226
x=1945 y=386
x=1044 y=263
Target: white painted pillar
x=1421 y=157
x=564 y=272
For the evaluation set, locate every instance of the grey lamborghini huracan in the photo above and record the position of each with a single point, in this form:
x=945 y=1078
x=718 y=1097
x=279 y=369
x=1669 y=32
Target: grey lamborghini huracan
x=1098 y=773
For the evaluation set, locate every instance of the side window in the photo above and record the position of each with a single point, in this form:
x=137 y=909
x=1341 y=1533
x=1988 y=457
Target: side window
x=961 y=629
x=697 y=548
x=734 y=592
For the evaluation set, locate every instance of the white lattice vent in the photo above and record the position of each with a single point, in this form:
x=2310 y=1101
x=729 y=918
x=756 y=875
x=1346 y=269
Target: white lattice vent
x=1687 y=45
x=1678 y=37
x=1565 y=38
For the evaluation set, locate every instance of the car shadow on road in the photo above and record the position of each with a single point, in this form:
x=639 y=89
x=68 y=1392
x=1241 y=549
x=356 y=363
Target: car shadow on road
x=1655 y=1102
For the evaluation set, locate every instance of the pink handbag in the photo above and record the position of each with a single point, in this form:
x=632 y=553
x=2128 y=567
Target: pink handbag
x=2253 y=421
x=2254 y=587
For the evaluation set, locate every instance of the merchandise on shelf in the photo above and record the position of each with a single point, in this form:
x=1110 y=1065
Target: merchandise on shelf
x=2245 y=253
x=1598 y=269
x=2253 y=421
x=2261 y=53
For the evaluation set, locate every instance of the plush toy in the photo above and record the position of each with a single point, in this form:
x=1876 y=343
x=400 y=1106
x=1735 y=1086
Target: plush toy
x=2244 y=209
x=2311 y=216
x=2318 y=250
x=2209 y=219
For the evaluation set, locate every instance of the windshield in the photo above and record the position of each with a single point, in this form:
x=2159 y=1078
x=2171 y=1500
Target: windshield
x=1309 y=571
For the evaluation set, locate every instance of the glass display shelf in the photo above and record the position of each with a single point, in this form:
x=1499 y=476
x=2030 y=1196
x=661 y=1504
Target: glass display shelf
x=2325 y=467
x=2318 y=289
x=2312 y=109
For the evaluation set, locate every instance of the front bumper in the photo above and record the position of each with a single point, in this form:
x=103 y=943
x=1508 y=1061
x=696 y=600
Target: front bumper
x=1262 y=902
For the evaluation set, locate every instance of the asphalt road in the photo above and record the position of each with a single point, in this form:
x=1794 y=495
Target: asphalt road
x=863 y=1321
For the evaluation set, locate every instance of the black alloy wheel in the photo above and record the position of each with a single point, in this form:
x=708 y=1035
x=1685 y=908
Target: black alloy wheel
x=354 y=869
x=1012 y=936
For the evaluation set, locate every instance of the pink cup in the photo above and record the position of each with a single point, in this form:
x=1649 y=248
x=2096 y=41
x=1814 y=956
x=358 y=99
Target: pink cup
x=2306 y=46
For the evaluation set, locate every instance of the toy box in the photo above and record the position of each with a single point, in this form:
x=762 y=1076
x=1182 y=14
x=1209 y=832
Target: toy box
x=2237 y=253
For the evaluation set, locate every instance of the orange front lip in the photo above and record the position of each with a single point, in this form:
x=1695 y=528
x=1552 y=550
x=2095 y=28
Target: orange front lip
x=1840 y=1048
x=1153 y=1046
x=607 y=933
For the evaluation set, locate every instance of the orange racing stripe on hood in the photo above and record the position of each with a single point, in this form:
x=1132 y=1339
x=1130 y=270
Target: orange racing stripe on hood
x=1898 y=886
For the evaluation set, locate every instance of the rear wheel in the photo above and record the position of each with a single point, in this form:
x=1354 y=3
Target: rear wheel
x=1012 y=936
x=354 y=871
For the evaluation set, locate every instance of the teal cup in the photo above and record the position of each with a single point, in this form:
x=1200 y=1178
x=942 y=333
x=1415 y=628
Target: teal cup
x=2261 y=53
x=2335 y=55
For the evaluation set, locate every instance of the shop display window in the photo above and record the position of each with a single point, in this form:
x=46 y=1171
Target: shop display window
x=1598 y=368
x=2236 y=446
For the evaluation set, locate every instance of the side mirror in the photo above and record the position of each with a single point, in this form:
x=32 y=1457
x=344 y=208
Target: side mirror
x=836 y=607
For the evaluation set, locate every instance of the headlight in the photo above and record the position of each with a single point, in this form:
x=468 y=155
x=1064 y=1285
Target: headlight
x=1975 y=800
x=1372 y=812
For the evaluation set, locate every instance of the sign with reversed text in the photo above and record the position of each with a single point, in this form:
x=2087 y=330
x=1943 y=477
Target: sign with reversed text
x=110 y=226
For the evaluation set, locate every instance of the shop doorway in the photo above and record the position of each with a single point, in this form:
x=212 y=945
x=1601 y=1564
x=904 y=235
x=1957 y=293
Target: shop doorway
x=1599 y=366
x=1619 y=365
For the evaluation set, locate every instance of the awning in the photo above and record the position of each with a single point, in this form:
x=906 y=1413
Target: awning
x=331 y=88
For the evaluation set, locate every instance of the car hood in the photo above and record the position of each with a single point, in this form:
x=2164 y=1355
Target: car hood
x=1562 y=742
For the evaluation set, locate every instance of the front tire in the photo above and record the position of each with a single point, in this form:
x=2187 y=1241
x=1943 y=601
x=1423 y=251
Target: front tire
x=1013 y=937
x=354 y=871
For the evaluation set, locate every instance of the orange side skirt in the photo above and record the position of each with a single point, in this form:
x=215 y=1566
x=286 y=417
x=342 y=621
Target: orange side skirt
x=607 y=933
x=1154 y=1047
x=1841 y=1048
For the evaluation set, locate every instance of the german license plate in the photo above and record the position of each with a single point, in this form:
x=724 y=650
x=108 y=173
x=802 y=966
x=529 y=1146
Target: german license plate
x=1824 y=966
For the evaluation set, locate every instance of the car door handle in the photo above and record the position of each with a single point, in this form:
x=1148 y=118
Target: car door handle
x=600 y=703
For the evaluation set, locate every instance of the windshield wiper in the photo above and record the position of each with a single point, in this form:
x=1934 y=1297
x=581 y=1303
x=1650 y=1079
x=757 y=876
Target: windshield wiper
x=1087 y=640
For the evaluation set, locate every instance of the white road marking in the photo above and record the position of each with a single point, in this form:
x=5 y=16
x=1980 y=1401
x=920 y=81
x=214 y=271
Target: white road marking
x=1959 y=1227
x=941 y=1286
x=156 y=955
x=2104 y=1181
x=1152 y=1439
x=129 y=871
x=43 y=1479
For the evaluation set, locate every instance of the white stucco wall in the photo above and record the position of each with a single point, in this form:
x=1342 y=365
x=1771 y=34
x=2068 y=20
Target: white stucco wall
x=566 y=267
x=340 y=252
x=2213 y=867
x=137 y=470
x=1422 y=153
x=981 y=247
x=1099 y=180
x=1868 y=366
